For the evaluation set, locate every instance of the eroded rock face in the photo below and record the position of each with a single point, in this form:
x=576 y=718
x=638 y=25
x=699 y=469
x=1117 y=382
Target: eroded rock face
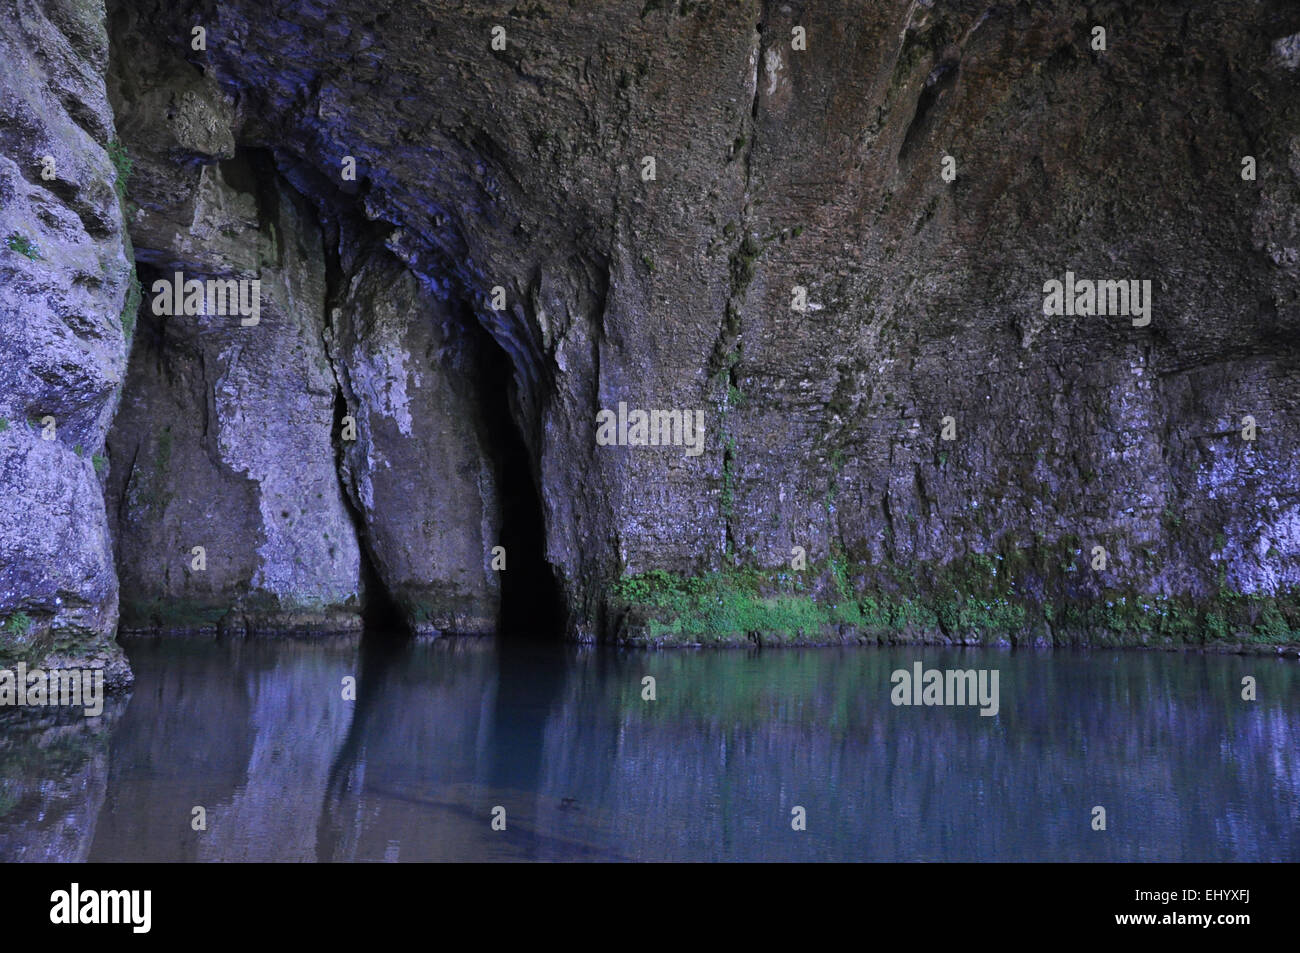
x=797 y=268
x=419 y=471
x=777 y=169
x=224 y=439
x=224 y=490
x=64 y=277
x=345 y=425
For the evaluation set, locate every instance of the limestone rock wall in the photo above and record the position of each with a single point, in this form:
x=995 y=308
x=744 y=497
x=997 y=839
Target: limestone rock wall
x=742 y=209
x=224 y=441
x=342 y=428
x=420 y=471
x=779 y=168
x=65 y=277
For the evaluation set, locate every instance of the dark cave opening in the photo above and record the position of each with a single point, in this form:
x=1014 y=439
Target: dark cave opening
x=532 y=606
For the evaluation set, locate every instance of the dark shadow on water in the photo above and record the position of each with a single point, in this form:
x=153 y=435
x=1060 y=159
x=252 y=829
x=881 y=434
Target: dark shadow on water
x=530 y=685
x=518 y=699
x=382 y=651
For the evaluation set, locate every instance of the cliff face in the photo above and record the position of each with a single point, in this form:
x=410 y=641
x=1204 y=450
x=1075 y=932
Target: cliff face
x=65 y=277
x=331 y=440
x=737 y=209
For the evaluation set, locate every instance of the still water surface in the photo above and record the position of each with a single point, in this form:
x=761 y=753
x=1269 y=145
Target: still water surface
x=258 y=734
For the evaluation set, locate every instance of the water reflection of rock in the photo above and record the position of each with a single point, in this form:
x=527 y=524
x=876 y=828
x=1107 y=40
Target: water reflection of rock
x=299 y=717
x=443 y=734
x=712 y=769
x=421 y=744
x=241 y=728
x=440 y=734
x=53 y=777
x=588 y=770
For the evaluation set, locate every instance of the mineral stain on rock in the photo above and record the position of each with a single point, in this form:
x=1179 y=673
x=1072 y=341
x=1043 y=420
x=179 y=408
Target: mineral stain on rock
x=462 y=261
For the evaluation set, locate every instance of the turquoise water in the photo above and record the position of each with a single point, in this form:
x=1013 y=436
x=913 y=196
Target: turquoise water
x=258 y=735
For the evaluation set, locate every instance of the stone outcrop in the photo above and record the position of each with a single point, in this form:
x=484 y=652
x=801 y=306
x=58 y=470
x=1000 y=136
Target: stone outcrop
x=223 y=442
x=337 y=441
x=419 y=472
x=224 y=494
x=65 y=278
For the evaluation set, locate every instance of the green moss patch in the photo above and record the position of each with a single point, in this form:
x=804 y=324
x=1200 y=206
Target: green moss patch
x=166 y=614
x=987 y=598
x=22 y=245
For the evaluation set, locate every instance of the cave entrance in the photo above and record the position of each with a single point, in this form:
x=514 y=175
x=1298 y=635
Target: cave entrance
x=532 y=607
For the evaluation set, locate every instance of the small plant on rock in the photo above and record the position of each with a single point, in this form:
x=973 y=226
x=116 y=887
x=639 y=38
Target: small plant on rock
x=23 y=246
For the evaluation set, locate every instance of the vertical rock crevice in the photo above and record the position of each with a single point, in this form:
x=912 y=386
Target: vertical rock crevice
x=380 y=613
